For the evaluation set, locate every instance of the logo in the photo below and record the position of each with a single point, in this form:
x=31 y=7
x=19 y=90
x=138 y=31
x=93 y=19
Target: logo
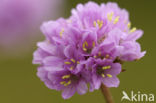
x=137 y=97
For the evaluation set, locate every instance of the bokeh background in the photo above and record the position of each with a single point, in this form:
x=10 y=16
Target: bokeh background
x=18 y=80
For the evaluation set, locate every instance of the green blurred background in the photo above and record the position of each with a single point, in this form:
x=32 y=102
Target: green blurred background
x=19 y=83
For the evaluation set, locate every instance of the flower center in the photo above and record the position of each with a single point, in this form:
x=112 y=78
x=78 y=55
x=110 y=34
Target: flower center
x=88 y=48
x=105 y=56
x=68 y=79
x=71 y=63
x=99 y=23
x=101 y=71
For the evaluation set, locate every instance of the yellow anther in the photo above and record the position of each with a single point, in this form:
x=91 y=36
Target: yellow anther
x=106 y=67
x=94 y=23
x=68 y=83
x=133 y=30
x=129 y=25
x=67 y=62
x=61 y=32
x=93 y=44
x=72 y=60
x=100 y=23
x=85 y=49
x=84 y=46
x=110 y=16
x=99 y=54
x=86 y=43
x=63 y=82
x=95 y=56
x=65 y=76
x=103 y=75
x=71 y=68
x=109 y=75
x=107 y=56
x=78 y=62
x=116 y=19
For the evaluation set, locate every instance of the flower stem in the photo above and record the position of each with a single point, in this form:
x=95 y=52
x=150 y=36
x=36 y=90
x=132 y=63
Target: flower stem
x=106 y=93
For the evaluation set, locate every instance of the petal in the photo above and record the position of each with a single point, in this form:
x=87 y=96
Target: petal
x=48 y=47
x=69 y=51
x=134 y=36
x=42 y=73
x=68 y=92
x=39 y=55
x=115 y=69
x=111 y=82
x=96 y=81
x=53 y=63
x=82 y=87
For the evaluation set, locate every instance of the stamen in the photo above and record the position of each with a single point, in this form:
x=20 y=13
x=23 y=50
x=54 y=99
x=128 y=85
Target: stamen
x=103 y=75
x=78 y=62
x=133 y=30
x=107 y=56
x=68 y=83
x=72 y=60
x=99 y=54
x=86 y=43
x=61 y=32
x=129 y=25
x=95 y=56
x=93 y=44
x=116 y=19
x=94 y=23
x=100 y=23
x=67 y=62
x=63 y=82
x=65 y=76
x=110 y=16
x=71 y=68
x=84 y=46
x=85 y=49
x=106 y=67
x=109 y=75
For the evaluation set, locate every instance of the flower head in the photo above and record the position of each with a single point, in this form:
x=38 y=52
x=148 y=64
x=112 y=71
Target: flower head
x=87 y=48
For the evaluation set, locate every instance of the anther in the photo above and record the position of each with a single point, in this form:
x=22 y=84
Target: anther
x=107 y=56
x=72 y=60
x=94 y=23
x=78 y=62
x=93 y=44
x=109 y=75
x=116 y=19
x=68 y=83
x=65 y=76
x=95 y=56
x=129 y=25
x=133 y=30
x=67 y=62
x=110 y=16
x=63 y=82
x=71 y=68
x=106 y=67
x=61 y=32
x=99 y=54
x=84 y=46
x=103 y=75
